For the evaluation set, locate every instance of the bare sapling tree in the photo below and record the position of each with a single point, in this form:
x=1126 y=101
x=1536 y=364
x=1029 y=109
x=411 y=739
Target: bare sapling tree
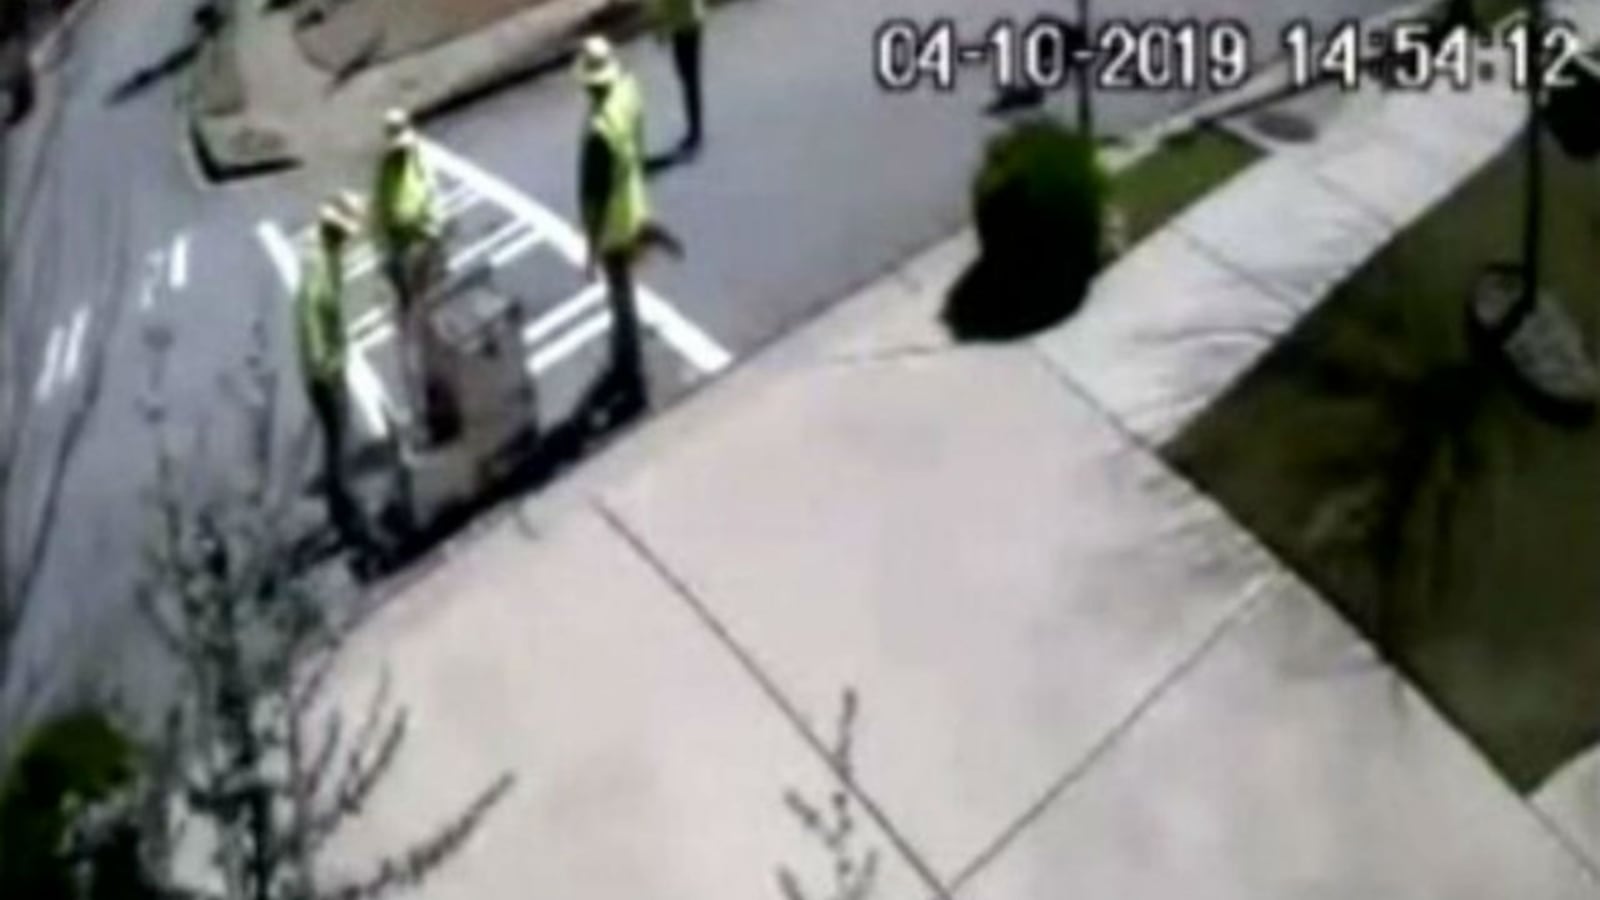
x=268 y=773
x=833 y=823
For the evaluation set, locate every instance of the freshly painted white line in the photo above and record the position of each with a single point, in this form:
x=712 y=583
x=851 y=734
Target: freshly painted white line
x=363 y=259
x=563 y=236
x=360 y=261
x=178 y=268
x=568 y=344
x=281 y=253
x=376 y=315
x=533 y=225
x=74 y=351
x=516 y=248
x=498 y=237
x=558 y=318
x=383 y=331
x=453 y=200
x=457 y=200
x=368 y=390
x=52 y=365
x=699 y=347
x=372 y=318
x=363 y=382
x=690 y=340
x=541 y=360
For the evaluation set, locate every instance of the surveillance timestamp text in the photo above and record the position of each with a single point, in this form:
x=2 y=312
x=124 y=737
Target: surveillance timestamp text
x=1219 y=55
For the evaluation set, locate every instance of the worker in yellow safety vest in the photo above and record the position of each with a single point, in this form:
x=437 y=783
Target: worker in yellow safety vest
x=615 y=206
x=405 y=221
x=409 y=236
x=320 y=327
x=681 y=23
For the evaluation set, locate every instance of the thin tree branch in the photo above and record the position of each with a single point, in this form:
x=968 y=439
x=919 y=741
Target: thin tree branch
x=360 y=778
x=410 y=868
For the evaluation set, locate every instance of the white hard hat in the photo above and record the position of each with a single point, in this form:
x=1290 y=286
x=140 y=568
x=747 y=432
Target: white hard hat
x=335 y=217
x=397 y=125
x=350 y=204
x=597 y=62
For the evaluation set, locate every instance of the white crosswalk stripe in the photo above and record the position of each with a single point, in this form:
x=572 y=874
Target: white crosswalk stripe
x=548 y=357
x=178 y=271
x=556 y=319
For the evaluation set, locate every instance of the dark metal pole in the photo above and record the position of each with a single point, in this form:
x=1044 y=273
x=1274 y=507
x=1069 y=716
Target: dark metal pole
x=1086 y=77
x=1533 y=208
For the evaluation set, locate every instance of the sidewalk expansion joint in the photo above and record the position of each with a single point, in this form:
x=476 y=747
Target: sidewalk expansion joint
x=888 y=355
x=1392 y=223
x=1058 y=373
x=769 y=686
x=1215 y=254
x=1564 y=840
x=1252 y=598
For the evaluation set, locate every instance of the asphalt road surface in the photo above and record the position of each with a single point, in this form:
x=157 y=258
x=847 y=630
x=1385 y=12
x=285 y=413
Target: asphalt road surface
x=813 y=181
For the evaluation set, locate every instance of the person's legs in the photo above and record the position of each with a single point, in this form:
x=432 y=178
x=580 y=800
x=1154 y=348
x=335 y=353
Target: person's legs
x=627 y=354
x=327 y=405
x=394 y=271
x=686 y=58
x=410 y=268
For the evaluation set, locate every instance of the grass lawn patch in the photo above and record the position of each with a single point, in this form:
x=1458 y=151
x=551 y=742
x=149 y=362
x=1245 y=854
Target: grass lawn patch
x=1492 y=12
x=1378 y=456
x=1181 y=171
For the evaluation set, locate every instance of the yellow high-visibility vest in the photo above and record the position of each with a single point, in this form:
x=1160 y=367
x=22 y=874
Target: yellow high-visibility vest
x=676 y=15
x=319 y=314
x=619 y=121
x=403 y=199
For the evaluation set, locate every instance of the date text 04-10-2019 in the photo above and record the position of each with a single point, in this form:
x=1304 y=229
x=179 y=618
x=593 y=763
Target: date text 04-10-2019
x=1217 y=55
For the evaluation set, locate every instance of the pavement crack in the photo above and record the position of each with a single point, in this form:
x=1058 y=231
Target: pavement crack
x=1248 y=603
x=769 y=686
x=1565 y=841
x=1296 y=305
x=886 y=355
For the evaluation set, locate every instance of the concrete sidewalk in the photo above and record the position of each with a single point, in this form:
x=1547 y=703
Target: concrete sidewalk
x=1079 y=676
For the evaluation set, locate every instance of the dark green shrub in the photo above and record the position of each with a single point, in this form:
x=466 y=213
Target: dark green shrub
x=1038 y=203
x=65 y=765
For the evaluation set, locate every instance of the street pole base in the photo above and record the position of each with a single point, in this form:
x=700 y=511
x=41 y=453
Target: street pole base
x=1544 y=352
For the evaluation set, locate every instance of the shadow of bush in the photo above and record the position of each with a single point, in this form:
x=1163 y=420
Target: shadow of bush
x=992 y=302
